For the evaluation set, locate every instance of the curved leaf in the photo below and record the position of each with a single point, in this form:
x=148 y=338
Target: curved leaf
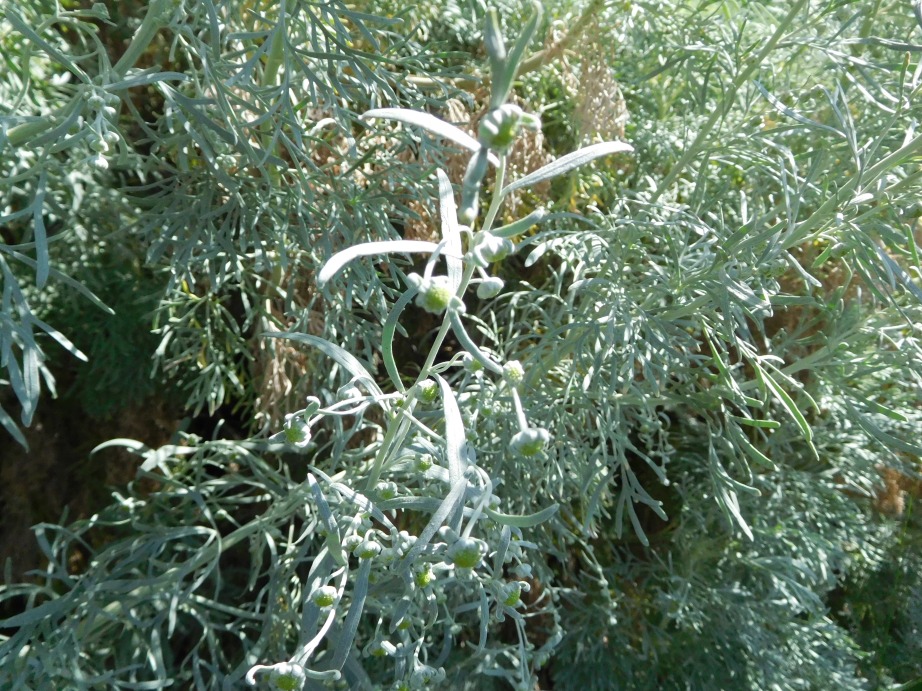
x=565 y=164
x=431 y=124
x=340 y=259
x=343 y=357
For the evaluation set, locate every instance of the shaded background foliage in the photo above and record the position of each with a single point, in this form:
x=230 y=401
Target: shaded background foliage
x=721 y=330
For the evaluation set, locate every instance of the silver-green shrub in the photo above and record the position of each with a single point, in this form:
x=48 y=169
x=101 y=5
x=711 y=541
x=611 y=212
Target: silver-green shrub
x=630 y=435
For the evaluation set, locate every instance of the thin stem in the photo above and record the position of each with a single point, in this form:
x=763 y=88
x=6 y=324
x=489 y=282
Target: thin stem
x=151 y=24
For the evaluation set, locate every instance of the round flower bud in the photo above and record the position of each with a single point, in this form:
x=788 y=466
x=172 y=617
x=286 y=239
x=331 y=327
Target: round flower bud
x=514 y=373
x=435 y=293
x=466 y=553
x=98 y=144
x=351 y=542
x=471 y=364
x=296 y=430
x=424 y=576
x=490 y=248
x=427 y=390
x=99 y=162
x=324 y=596
x=387 y=490
x=531 y=441
x=287 y=677
x=490 y=287
x=423 y=462
x=367 y=549
x=511 y=593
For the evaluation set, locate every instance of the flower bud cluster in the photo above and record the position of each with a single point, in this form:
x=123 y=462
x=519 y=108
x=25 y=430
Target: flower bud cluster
x=101 y=136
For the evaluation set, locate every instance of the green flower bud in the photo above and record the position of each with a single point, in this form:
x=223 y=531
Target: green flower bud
x=489 y=248
x=427 y=391
x=424 y=576
x=490 y=287
x=368 y=549
x=423 y=462
x=435 y=293
x=296 y=430
x=466 y=553
x=531 y=441
x=324 y=596
x=288 y=677
x=387 y=490
x=514 y=373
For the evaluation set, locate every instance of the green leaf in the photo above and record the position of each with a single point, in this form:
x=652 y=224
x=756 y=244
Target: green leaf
x=455 y=435
x=340 y=259
x=522 y=43
x=524 y=521
x=46 y=610
x=890 y=441
x=784 y=399
x=451 y=231
x=430 y=123
x=387 y=337
x=10 y=426
x=740 y=438
x=496 y=52
x=565 y=164
x=520 y=226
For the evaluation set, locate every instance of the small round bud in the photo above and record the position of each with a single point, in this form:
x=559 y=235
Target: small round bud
x=471 y=364
x=466 y=553
x=435 y=293
x=424 y=576
x=351 y=542
x=423 y=462
x=531 y=441
x=427 y=390
x=511 y=593
x=324 y=596
x=367 y=549
x=288 y=677
x=98 y=144
x=99 y=162
x=297 y=431
x=424 y=676
x=514 y=373
x=490 y=287
x=387 y=490
x=490 y=248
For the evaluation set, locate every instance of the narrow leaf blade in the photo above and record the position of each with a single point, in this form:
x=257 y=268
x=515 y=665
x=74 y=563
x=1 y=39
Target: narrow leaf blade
x=565 y=164
x=340 y=259
x=431 y=124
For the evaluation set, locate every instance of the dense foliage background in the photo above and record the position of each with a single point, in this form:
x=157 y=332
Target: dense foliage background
x=720 y=330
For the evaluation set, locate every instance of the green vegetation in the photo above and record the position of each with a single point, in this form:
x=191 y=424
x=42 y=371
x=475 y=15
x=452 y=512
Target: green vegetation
x=575 y=346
